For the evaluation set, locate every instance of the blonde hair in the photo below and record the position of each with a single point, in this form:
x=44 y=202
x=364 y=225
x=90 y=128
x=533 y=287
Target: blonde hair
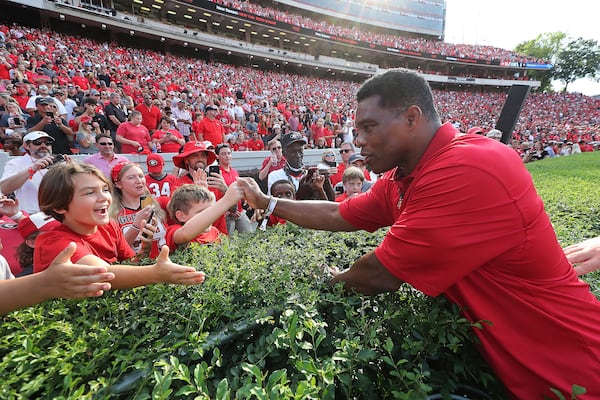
x=352 y=173
x=185 y=196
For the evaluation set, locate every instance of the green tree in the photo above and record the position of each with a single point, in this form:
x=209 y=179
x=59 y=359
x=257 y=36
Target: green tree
x=572 y=59
x=545 y=46
x=579 y=59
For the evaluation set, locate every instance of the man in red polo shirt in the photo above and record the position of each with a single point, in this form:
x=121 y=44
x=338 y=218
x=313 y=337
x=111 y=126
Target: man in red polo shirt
x=466 y=228
x=236 y=217
x=210 y=128
x=150 y=113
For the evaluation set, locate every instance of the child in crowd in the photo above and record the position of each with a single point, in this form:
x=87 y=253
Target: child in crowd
x=78 y=195
x=282 y=189
x=352 y=181
x=194 y=209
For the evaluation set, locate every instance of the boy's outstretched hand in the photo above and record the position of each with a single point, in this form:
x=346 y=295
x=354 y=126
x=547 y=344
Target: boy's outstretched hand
x=169 y=272
x=73 y=281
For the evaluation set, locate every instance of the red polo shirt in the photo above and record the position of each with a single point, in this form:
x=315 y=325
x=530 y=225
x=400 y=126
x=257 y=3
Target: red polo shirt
x=468 y=223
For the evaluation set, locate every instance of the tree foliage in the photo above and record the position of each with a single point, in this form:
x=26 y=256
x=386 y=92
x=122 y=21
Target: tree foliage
x=579 y=59
x=572 y=59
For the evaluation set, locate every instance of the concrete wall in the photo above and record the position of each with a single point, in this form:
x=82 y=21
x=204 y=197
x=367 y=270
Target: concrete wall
x=242 y=160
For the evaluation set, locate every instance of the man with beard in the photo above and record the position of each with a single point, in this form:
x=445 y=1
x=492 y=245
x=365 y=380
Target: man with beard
x=45 y=119
x=309 y=184
x=22 y=175
x=193 y=159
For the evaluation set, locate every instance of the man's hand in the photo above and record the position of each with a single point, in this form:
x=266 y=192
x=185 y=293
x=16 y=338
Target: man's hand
x=216 y=181
x=584 y=256
x=169 y=272
x=254 y=196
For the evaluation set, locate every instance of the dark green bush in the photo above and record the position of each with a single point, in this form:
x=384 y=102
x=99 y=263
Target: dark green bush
x=265 y=325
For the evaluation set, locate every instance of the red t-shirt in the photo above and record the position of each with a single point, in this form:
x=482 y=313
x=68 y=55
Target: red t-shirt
x=138 y=133
x=468 y=223
x=212 y=236
x=169 y=146
x=212 y=130
x=150 y=115
x=107 y=243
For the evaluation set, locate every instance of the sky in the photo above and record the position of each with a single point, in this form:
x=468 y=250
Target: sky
x=507 y=23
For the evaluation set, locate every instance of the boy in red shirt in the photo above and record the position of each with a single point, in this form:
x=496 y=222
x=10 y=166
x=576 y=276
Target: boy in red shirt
x=78 y=195
x=194 y=210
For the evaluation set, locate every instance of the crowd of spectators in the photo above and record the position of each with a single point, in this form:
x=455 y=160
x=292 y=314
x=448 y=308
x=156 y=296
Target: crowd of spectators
x=79 y=71
x=480 y=52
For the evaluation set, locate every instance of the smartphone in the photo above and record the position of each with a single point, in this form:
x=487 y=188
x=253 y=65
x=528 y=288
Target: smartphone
x=332 y=164
x=214 y=168
x=17 y=121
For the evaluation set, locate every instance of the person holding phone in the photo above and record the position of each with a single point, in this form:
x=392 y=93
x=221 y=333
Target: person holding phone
x=273 y=162
x=14 y=118
x=47 y=121
x=137 y=213
x=236 y=217
x=167 y=139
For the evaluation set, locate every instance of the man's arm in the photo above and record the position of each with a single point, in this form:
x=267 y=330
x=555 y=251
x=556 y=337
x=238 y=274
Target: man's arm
x=18 y=178
x=367 y=276
x=313 y=214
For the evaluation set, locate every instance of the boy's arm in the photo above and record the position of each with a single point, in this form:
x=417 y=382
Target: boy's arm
x=164 y=271
x=60 y=279
x=199 y=222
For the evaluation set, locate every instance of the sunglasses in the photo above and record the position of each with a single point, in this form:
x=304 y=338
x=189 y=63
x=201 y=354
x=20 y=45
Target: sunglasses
x=345 y=150
x=276 y=148
x=106 y=143
x=329 y=155
x=39 y=142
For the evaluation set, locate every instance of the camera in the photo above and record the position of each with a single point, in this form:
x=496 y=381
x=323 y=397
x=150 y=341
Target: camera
x=50 y=114
x=56 y=158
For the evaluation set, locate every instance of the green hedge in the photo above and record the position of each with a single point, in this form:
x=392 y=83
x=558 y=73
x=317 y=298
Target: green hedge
x=265 y=325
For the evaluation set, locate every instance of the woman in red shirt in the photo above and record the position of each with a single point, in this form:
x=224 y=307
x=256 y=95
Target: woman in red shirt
x=167 y=139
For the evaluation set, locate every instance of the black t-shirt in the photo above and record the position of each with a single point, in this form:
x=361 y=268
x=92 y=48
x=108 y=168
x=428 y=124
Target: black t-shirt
x=61 y=143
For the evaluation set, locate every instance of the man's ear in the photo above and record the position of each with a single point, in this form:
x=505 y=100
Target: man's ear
x=413 y=115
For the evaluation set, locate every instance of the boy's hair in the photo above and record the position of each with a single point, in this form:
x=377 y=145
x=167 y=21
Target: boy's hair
x=352 y=173
x=57 y=186
x=284 y=182
x=185 y=196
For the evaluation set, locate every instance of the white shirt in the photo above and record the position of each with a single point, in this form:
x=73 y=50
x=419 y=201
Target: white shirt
x=278 y=175
x=27 y=194
x=61 y=109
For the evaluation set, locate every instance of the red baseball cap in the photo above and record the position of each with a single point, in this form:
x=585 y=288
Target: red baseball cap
x=155 y=163
x=36 y=222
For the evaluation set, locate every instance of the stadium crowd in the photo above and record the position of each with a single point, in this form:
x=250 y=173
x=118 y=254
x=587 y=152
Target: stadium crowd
x=481 y=52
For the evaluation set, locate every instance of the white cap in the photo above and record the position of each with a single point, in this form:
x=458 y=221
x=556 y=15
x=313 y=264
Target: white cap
x=31 y=136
